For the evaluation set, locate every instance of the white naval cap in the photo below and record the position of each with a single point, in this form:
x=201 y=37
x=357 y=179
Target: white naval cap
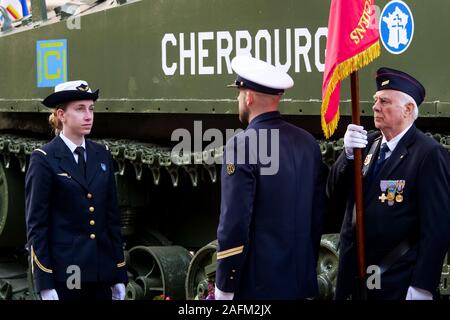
x=260 y=76
x=79 y=85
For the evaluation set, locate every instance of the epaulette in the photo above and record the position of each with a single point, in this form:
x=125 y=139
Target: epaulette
x=41 y=151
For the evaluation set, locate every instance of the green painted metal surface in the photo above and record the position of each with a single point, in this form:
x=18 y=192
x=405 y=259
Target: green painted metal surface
x=132 y=52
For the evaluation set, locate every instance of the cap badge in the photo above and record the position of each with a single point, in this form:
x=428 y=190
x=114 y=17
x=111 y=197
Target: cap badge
x=103 y=166
x=385 y=83
x=83 y=87
x=230 y=169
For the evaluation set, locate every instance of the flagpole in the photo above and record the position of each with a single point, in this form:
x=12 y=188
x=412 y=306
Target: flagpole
x=359 y=199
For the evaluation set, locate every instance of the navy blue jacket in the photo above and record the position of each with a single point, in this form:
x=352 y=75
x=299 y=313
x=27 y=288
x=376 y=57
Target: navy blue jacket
x=270 y=225
x=73 y=220
x=422 y=218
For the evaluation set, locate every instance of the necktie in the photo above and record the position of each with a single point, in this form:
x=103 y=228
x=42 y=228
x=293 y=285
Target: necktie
x=381 y=158
x=81 y=162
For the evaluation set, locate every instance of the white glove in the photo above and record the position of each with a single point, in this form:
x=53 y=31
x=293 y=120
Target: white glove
x=418 y=294
x=355 y=137
x=49 y=294
x=118 y=291
x=221 y=295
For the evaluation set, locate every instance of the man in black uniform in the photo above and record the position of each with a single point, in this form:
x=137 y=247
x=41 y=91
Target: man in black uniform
x=406 y=196
x=271 y=211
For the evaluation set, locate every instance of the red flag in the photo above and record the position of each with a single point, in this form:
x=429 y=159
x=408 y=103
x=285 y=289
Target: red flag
x=352 y=44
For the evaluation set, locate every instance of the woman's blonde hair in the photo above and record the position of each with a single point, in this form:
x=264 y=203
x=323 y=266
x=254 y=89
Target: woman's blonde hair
x=53 y=120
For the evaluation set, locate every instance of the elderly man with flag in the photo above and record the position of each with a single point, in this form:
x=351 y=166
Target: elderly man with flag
x=406 y=200
x=399 y=227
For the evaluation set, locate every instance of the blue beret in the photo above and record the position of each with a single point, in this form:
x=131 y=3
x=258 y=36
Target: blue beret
x=397 y=80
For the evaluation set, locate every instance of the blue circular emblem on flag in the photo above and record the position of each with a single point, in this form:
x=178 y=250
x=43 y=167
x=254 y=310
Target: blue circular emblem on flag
x=396 y=27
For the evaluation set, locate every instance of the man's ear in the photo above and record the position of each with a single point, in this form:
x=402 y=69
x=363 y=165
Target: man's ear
x=408 y=110
x=249 y=97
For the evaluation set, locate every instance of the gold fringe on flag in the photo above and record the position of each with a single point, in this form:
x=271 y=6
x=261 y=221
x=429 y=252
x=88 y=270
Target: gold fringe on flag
x=343 y=70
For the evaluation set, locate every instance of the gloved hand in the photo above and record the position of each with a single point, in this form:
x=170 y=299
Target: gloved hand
x=118 y=291
x=418 y=294
x=49 y=294
x=355 y=137
x=221 y=295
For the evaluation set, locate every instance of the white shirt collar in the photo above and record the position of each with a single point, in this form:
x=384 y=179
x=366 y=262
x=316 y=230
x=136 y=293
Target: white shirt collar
x=394 y=141
x=72 y=146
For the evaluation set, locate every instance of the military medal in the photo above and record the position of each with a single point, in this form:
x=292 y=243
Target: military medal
x=400 y=185
x=391 y=187
x=388 y=188
x=383 y=187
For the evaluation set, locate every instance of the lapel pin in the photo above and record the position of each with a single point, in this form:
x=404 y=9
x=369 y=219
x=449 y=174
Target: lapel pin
x=103 y=166
x=367 y=160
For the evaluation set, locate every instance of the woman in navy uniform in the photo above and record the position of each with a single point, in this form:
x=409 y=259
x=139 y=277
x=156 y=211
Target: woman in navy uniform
x=406 y=197
x=271 y=211
x=73 y=223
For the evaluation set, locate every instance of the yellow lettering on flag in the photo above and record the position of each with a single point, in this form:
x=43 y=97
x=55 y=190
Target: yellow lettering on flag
x=364 y=23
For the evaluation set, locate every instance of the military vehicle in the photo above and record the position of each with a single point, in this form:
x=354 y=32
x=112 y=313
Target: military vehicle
x=163 y=66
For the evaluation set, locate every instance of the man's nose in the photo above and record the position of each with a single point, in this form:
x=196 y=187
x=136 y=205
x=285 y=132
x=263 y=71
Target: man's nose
x=376 y=107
